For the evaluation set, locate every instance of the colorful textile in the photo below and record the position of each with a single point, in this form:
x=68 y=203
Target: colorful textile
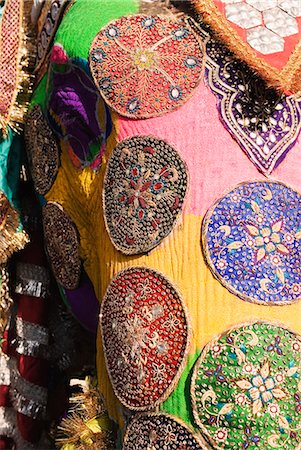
x=146 y=66
x=83 y=304
x=144 y=189
x=15 y=54
x=75 y=106
x=159 y=431
x=264 y=34
x=246 y=388
x=23 y=363
x=251 y=239
x=62 y=243
x=215 y=163
x=265 y=123
x=42 y=150
x=146 y=337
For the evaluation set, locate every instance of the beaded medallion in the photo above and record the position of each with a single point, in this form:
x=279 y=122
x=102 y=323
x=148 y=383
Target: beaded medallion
x=62 y=244
x=146 y=66
x=158 y=432
x=252 y=242
x=144 y=189
x=145 y=334
x=246 y=390
x=42 y=150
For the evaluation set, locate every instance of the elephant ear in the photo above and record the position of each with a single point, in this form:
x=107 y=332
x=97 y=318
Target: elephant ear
x=264 y=34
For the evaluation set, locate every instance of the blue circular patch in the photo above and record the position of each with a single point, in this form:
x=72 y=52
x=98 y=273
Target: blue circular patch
x=252 y=242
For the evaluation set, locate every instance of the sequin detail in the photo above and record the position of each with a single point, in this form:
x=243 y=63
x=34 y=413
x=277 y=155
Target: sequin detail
x=51 y=23
x=146 y=335
x=144 y=189
x=267 y=23
x=32 y=280
x=42 y=150
x=246 y=388
x=146 y=66
x=252 y=242
x=62 y=244
x=159 y=431
x=265 y=123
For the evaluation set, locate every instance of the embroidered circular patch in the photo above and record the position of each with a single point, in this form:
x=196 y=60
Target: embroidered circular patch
x=246 y=390
x=157 y=432
x=144 y=189
x=146 y=66
x=252 y=242
x=146 y=335
x=62 y=245
x=42 y=150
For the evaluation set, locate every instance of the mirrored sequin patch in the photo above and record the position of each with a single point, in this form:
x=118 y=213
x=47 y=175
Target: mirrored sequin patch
x=144 y=189
x=252 y=242
x=146 y=66
x=265 y=123
x=246 y=388
x=146 y=335
x=42 y=150
x=62 y=244
x=157 y=432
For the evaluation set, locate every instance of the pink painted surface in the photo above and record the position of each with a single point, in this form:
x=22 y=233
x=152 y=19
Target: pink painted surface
x=215 y=161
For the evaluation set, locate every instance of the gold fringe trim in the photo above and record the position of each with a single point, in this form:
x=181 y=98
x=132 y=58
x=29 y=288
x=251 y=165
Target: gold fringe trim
x=11 y=237
x=161 y=7
x=17 y=55
x=287 y=80
x=5 y=300
x=87 y=425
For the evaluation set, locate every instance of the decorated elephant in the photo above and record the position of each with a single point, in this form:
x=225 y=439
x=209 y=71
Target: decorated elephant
x=163 y=143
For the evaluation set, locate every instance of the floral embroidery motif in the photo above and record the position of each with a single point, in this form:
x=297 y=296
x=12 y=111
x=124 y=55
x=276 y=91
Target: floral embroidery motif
x=265 y=123
x=157 y=432
x=257 y=409
x=144 y=189
x=146 y=66
x=145 y=335
x=62 y=244
x=42 y=150
x=251 y=240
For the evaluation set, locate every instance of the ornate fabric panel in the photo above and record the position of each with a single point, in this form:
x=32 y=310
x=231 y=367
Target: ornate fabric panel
x=32 y=280
x=42 y=150
x=265 y=34
x=246 y=388
x=144 y=189
x=159 y=431
x=62 y=244
x=265 y=123
x=51 y=23
x=145 y=333
x=251 y=240
x=146 y=66
x=16 y=49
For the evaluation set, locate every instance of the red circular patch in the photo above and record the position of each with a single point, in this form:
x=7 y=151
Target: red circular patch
x=145 y=333
x=146 y=66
